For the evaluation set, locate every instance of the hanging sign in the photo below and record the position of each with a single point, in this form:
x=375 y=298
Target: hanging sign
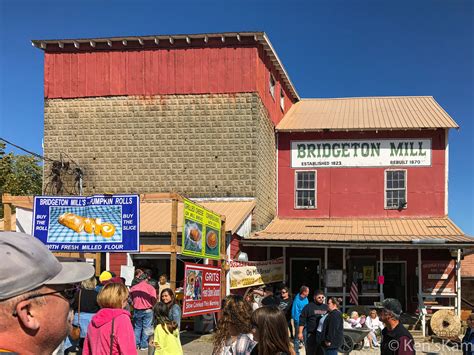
x=96 y=223
x=438 y=276
x=202 y=289
x=253 y=273
x=201 y=232
x=360 y=153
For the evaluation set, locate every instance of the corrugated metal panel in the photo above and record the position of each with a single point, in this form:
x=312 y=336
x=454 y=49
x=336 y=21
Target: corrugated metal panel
x=368 y=113
x=155 y=217
x=363 y=230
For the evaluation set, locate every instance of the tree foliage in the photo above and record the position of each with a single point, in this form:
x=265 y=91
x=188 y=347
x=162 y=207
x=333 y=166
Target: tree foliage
x=19 y=174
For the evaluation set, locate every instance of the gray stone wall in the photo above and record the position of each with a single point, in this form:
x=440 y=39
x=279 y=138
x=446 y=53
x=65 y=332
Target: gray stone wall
x=198 y=145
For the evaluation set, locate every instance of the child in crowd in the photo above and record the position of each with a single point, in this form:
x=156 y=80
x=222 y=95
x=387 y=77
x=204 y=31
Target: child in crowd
x=166 y=340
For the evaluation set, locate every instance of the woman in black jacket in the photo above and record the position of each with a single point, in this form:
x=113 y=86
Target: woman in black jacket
x=332 y=333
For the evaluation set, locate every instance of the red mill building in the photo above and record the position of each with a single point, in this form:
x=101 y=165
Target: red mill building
x=350 y=190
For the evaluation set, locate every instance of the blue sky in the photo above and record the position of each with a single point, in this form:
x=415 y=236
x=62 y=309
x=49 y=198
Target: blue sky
x=332 y=48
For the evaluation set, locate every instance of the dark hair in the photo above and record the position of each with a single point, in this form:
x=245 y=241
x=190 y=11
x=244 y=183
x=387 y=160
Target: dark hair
x=236 y=314
x=335 y=300
x=173 y=297
x=272 y=330
x=160 y=314
x=319 y=292
x=304 y=288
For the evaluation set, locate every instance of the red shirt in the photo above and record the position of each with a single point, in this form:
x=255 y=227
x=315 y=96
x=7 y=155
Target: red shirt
x=143 y=295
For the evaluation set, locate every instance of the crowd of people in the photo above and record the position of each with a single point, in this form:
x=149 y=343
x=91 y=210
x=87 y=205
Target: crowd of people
x=267 y=321
x=35 y=315
x=103 y=313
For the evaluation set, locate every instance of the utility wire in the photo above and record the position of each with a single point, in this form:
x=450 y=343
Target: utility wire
x=26 y=150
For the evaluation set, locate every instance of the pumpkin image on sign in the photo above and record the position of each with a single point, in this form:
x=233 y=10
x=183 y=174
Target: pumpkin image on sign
x=211 y=239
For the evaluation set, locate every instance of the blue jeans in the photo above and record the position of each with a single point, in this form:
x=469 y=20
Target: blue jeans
x=296 y=342
x=143 y=327
x=330 y=351
x=85 y=319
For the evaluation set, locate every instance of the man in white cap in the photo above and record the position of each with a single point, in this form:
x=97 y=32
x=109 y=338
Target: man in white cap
x=36 y=291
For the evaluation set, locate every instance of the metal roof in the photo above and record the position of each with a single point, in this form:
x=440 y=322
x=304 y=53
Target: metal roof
x=156 y=40
x=366 y=113
x=421 y=231
x=155 y=217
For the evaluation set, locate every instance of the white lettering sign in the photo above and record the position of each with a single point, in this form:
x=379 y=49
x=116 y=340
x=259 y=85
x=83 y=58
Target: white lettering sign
x=360 y=153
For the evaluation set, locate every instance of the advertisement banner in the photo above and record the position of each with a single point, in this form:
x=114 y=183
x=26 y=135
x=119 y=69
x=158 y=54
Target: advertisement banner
x=202 y=289
x=254 y=273
x=201 y=232
x=438 y=276
x=360 y=153
x=99 y=223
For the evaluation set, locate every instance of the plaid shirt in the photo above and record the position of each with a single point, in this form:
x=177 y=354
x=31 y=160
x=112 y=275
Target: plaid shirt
x=242 y=346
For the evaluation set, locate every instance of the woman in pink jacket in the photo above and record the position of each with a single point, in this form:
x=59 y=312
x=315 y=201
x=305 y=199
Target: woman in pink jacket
x=112 y=322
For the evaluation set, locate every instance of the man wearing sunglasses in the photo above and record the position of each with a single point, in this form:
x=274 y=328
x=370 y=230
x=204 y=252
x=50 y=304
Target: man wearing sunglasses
x=309 y=319
x=36 y=292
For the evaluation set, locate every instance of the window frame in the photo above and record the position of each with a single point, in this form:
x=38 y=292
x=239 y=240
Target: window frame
x=272 y=87
x=315 y=190
x=282 y=99
x=405 y=171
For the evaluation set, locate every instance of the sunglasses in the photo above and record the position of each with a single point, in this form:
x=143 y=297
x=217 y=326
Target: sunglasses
x=68 y=294
x=284 y=291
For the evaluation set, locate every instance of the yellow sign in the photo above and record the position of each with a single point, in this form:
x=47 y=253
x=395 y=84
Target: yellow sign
x=369 y=274
x=201 y=232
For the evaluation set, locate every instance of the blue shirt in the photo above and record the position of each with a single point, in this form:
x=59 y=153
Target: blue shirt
x=298 y=305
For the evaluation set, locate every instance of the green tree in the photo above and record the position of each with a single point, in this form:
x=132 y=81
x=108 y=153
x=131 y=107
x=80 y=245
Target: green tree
x=19 y=174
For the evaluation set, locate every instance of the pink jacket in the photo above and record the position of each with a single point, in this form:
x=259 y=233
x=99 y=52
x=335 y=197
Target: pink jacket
x=97 y=341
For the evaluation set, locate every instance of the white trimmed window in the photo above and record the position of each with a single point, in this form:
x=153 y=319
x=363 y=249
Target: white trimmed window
x=395 y=189
x=282 y=100
x=305 y=189
x=272 y=86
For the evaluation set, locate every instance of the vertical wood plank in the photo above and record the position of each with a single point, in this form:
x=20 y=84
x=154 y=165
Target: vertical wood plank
x=174 y=241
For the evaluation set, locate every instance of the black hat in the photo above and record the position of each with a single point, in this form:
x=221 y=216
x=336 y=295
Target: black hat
x=392 y=305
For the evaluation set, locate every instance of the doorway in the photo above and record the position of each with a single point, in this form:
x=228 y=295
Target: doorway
x=395 y=284
x=304 y=271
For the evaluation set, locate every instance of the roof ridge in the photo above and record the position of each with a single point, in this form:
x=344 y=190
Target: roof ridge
x=363 y=97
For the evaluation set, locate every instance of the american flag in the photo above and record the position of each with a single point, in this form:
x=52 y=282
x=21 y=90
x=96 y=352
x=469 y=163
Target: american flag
x=354 y=295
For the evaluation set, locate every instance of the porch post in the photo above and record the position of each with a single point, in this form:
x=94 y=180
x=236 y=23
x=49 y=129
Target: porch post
x=381 y=274
x=325 y=269
x=344 y=279
x=458 y=282
x=268 y=253
x=421 y=304
x=284 y=265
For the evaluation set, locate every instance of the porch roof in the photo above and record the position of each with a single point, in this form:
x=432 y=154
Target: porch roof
x=364 y=231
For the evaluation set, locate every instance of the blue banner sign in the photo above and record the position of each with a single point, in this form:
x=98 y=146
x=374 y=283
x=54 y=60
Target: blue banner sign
x=99 y=223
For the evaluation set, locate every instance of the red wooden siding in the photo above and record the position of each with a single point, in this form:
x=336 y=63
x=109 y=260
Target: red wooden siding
x=163 y=71
x=150 y=72
x=116 y=260
x=264 y=68
x=359 y=192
